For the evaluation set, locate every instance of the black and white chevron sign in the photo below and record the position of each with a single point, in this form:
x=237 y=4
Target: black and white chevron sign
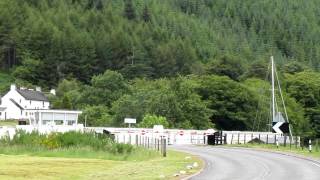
x=280 y=127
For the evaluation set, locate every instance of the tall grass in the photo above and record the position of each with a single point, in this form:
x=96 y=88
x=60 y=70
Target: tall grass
x=72 y=144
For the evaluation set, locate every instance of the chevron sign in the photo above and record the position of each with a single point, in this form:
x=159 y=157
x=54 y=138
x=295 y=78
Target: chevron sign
x=280 y=127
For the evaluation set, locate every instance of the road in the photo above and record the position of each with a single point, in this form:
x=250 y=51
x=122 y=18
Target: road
x=245 y=164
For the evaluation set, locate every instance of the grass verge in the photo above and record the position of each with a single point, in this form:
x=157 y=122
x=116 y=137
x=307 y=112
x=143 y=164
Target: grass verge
x=8 y=123
x=299 y=151
x=33 y=167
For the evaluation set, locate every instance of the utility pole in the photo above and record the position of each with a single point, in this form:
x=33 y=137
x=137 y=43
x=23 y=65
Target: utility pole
x=273 y=94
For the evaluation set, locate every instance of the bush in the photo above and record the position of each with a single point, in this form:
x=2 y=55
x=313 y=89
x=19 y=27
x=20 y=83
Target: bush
x=96 y=142
x=150 y=120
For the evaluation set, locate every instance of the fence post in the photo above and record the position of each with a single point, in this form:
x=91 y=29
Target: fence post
x=148 y=142
x=244 y=138
x=225 y=139
x=158 y=144
x=310 y=146
x=296 y=143
x=259 y=139
x=164 y=151
x=231 y=138
x=238 y=138
x=267 y=142
x=275 y=139
x=137 y=143
x=251 y=136
x=290 y=140
x=285 y=140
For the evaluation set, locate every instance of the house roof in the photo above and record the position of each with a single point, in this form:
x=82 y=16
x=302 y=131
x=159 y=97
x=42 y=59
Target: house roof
x=15 y=103
x=32 y=95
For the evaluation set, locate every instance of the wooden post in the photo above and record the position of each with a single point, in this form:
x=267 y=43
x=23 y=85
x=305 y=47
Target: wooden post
x=267 y=142
x=137 y=143
x=259 y=139
x=296 y=142
x=251 y=136
x=231 y=138
x=285 y=140
x=275 y=139
x=244 y=138
x=164 y=146
x=161 y=144
x=290 y=141
x=238 y=138
x=225 y=139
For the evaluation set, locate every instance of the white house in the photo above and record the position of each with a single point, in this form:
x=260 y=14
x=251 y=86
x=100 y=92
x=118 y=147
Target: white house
x=34 y=107
x=17 y=103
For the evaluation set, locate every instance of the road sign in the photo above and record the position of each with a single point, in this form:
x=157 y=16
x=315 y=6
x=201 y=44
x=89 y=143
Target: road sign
x=280 y=127
x=143 y=132
x=181 y=133
x=129 y=120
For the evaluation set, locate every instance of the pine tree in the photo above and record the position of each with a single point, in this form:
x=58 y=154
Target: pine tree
x=129 y=12
x=146 y=14
x=99 y=5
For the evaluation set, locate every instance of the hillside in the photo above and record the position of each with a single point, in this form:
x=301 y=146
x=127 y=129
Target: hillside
x=79 y=38
x=115 y=59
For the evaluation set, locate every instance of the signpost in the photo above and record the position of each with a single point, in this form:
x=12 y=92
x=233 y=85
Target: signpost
x=130 y=121
x=280 y=127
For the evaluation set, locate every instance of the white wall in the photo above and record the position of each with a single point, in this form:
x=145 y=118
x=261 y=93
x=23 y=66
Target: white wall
x=13 y=112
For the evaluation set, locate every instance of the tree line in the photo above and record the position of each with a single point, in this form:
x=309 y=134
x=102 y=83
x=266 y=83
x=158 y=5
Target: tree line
x=198 y=63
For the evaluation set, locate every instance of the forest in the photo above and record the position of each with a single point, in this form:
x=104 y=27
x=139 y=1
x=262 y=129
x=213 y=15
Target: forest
x=191 y=63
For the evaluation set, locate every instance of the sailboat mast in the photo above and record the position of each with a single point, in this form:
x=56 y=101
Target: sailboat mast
x=273 y=93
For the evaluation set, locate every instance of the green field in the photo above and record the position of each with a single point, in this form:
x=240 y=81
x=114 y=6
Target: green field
x=33 y=167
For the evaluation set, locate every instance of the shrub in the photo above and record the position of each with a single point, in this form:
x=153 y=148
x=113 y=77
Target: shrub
x=98 y=142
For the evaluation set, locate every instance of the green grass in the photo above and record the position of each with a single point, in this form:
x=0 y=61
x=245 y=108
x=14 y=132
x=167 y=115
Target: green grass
x=304 y=152
x=8 y=123
x=137 y=154
x=33 y=167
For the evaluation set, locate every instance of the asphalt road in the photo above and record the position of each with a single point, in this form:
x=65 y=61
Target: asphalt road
x=245 y=164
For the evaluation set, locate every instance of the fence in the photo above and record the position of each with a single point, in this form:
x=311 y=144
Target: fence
x=156 y=142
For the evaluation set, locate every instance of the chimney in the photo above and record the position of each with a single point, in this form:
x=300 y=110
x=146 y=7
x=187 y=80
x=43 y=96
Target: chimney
x=53 y=91
x=38 y=88
x=13 y=87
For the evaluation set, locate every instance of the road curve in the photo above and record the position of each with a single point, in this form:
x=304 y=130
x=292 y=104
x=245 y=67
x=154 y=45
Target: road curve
x=245 y=164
